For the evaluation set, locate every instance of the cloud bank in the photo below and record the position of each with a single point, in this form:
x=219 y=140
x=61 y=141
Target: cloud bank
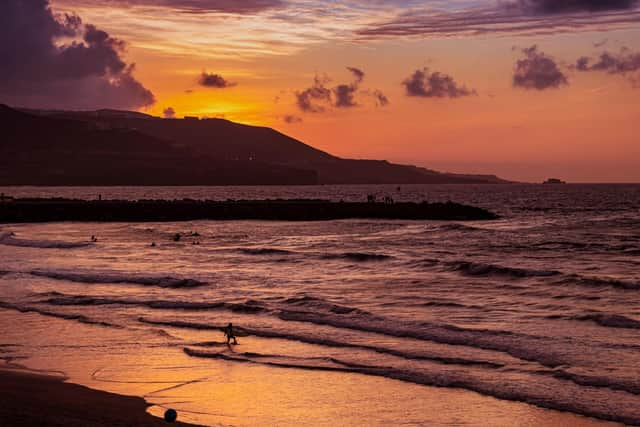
x=526 y=17
x=550 y=7
x=193 y=6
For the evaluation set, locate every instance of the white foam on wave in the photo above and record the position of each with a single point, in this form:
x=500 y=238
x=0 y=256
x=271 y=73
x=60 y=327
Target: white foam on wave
x=9 y=239
x=553 y=392
x=163 y=281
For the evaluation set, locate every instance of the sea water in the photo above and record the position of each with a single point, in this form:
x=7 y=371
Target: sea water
x=353 y=320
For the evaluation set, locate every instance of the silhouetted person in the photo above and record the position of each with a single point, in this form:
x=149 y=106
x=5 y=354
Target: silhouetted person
x=94 y=239
x=228 y=332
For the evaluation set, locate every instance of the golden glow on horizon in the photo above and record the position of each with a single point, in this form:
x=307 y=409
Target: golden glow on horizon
x=518 y=134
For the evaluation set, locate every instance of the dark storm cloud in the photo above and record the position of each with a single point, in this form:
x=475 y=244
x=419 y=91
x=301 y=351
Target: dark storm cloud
x=195 y=6
x=169 y=113
x=568 y=6
x=40 y=68
x=529 y=17
x=214 y=81
x=425 y=84
x=538 y=71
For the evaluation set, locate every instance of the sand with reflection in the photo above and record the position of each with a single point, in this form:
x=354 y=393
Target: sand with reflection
x=214 y=392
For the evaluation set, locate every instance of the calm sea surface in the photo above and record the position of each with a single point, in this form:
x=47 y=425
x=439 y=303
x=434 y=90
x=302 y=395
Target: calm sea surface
x=541 y=306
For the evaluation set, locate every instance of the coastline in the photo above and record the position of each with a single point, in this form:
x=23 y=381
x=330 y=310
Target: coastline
x=31 y=398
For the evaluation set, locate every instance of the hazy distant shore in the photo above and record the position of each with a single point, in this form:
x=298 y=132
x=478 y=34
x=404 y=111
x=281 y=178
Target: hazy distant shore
x=30 y=399
x=46 y=210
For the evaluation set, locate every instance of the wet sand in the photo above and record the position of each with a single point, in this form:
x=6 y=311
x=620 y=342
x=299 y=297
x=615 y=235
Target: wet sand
x=213 y=392
x=30 y=399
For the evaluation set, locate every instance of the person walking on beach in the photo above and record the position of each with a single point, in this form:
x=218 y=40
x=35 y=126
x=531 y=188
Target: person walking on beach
x=228 y=332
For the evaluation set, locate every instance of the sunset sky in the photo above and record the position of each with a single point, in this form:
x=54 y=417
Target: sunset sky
x=525 y=89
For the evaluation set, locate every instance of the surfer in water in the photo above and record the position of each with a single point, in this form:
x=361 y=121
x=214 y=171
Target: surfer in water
x=228 y=332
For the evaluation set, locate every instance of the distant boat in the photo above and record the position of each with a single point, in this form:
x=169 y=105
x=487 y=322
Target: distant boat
x=554 y=181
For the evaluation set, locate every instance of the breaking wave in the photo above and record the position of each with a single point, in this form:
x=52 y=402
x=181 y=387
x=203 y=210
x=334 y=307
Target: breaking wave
x=575 y=279
x=115 y=278
x=554 y=393
x=480 y=269
x=264 y=251
x=525 y=347
x=9 y=239
x=318 y=304
x=610 y=320
x=79 y=300
x=456 y=226
x=357 y=256
x=66 y=316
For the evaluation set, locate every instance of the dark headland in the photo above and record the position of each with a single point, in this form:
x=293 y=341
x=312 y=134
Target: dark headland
x=46 y=210
x=107 y=148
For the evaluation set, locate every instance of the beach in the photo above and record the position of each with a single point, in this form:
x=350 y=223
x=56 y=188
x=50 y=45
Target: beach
x=519 y=321
x=217 y=393
x=30 y=399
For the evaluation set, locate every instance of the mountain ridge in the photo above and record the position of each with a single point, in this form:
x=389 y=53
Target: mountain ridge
x=113 y=147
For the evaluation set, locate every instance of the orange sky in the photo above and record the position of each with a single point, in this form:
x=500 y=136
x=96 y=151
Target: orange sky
x=585 y=130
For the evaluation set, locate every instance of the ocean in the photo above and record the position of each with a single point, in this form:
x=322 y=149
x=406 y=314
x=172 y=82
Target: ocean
x=536 y=311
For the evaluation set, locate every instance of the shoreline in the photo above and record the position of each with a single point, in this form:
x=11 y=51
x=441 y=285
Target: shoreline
x=58 y=209
x=31 y=398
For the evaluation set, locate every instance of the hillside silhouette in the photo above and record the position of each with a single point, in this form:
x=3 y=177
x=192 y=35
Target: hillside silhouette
x=109 y=147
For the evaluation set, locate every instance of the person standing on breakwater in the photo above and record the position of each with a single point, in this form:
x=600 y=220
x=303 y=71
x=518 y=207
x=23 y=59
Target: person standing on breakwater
x=228 y=332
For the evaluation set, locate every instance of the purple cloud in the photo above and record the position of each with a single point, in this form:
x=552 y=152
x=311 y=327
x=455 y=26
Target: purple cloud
x=625 y=63
x=318 y=98
x=620 y=63
x=291 y=119
x=214 y=81
x=528 y=17
x=425 y=84
x=568 y=6
x=538 y=71
x=345 y=93
x=197 y=6
x=380 y=98
x=169 y=113
x=357 y=73
x=39 y=70
x=311 y=100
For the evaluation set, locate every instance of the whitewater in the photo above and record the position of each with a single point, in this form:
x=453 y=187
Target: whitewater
x=540 y=307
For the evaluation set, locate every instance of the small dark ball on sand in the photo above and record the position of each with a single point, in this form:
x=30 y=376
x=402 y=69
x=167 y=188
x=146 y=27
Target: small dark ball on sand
x=170 y=416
